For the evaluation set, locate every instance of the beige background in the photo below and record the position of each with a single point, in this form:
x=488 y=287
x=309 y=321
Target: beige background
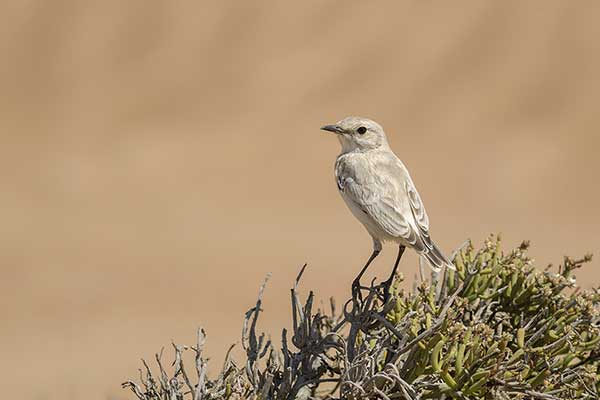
x=158 y=158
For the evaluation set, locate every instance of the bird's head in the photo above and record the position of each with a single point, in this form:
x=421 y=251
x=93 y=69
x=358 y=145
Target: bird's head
x=356 y=133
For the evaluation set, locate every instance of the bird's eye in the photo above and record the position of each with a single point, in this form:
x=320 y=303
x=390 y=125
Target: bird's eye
x=362 y=130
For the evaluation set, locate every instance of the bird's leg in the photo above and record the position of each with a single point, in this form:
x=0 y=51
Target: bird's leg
x=387 y=284
x=356 y=282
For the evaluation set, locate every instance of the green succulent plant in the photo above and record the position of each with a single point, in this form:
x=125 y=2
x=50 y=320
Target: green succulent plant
x=496 y=328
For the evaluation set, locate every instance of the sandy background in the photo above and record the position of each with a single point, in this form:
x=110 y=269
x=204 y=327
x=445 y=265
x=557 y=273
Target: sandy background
x=158 y=158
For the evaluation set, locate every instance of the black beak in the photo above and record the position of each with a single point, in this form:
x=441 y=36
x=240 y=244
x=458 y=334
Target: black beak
x=332 y=128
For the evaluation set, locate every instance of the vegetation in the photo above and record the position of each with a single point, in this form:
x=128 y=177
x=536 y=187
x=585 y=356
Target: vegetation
x=496 y=328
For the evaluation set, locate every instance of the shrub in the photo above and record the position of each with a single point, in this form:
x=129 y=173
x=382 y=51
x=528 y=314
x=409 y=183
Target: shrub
x=496 y=328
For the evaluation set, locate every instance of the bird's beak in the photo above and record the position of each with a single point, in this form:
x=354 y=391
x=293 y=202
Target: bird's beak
x=332 y=128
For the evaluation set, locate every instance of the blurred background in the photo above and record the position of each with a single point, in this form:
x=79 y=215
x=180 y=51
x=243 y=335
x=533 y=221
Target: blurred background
x=157 y=159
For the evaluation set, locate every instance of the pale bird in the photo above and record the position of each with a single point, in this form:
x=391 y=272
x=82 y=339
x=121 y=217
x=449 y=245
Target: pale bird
x=380 y=193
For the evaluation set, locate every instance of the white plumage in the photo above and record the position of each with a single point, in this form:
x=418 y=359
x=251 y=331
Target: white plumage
x=379 y=191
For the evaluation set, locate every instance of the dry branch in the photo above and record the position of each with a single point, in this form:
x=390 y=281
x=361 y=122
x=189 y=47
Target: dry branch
x=494 y=328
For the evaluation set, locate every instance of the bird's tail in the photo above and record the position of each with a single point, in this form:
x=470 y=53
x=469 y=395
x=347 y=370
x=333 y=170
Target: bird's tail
x=434 y=256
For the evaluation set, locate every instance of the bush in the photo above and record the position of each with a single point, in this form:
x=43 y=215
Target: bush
x=496 y=328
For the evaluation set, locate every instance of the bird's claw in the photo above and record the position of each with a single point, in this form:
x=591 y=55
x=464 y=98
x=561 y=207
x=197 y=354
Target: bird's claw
x=386 y=290
x=356 y=291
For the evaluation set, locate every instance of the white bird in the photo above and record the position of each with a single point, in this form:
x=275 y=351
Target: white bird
x=378 y=189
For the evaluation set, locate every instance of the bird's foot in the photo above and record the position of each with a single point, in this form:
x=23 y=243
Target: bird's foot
x=386 y=289
x=357 y=290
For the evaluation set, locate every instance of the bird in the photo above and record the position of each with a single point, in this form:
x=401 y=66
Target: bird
x=380 y=193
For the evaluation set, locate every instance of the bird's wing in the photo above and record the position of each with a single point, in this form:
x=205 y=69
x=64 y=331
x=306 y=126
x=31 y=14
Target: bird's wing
x=379 y=206
x=426 y=247
x=387 y=194
x=380 y=190
x=416 y=206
